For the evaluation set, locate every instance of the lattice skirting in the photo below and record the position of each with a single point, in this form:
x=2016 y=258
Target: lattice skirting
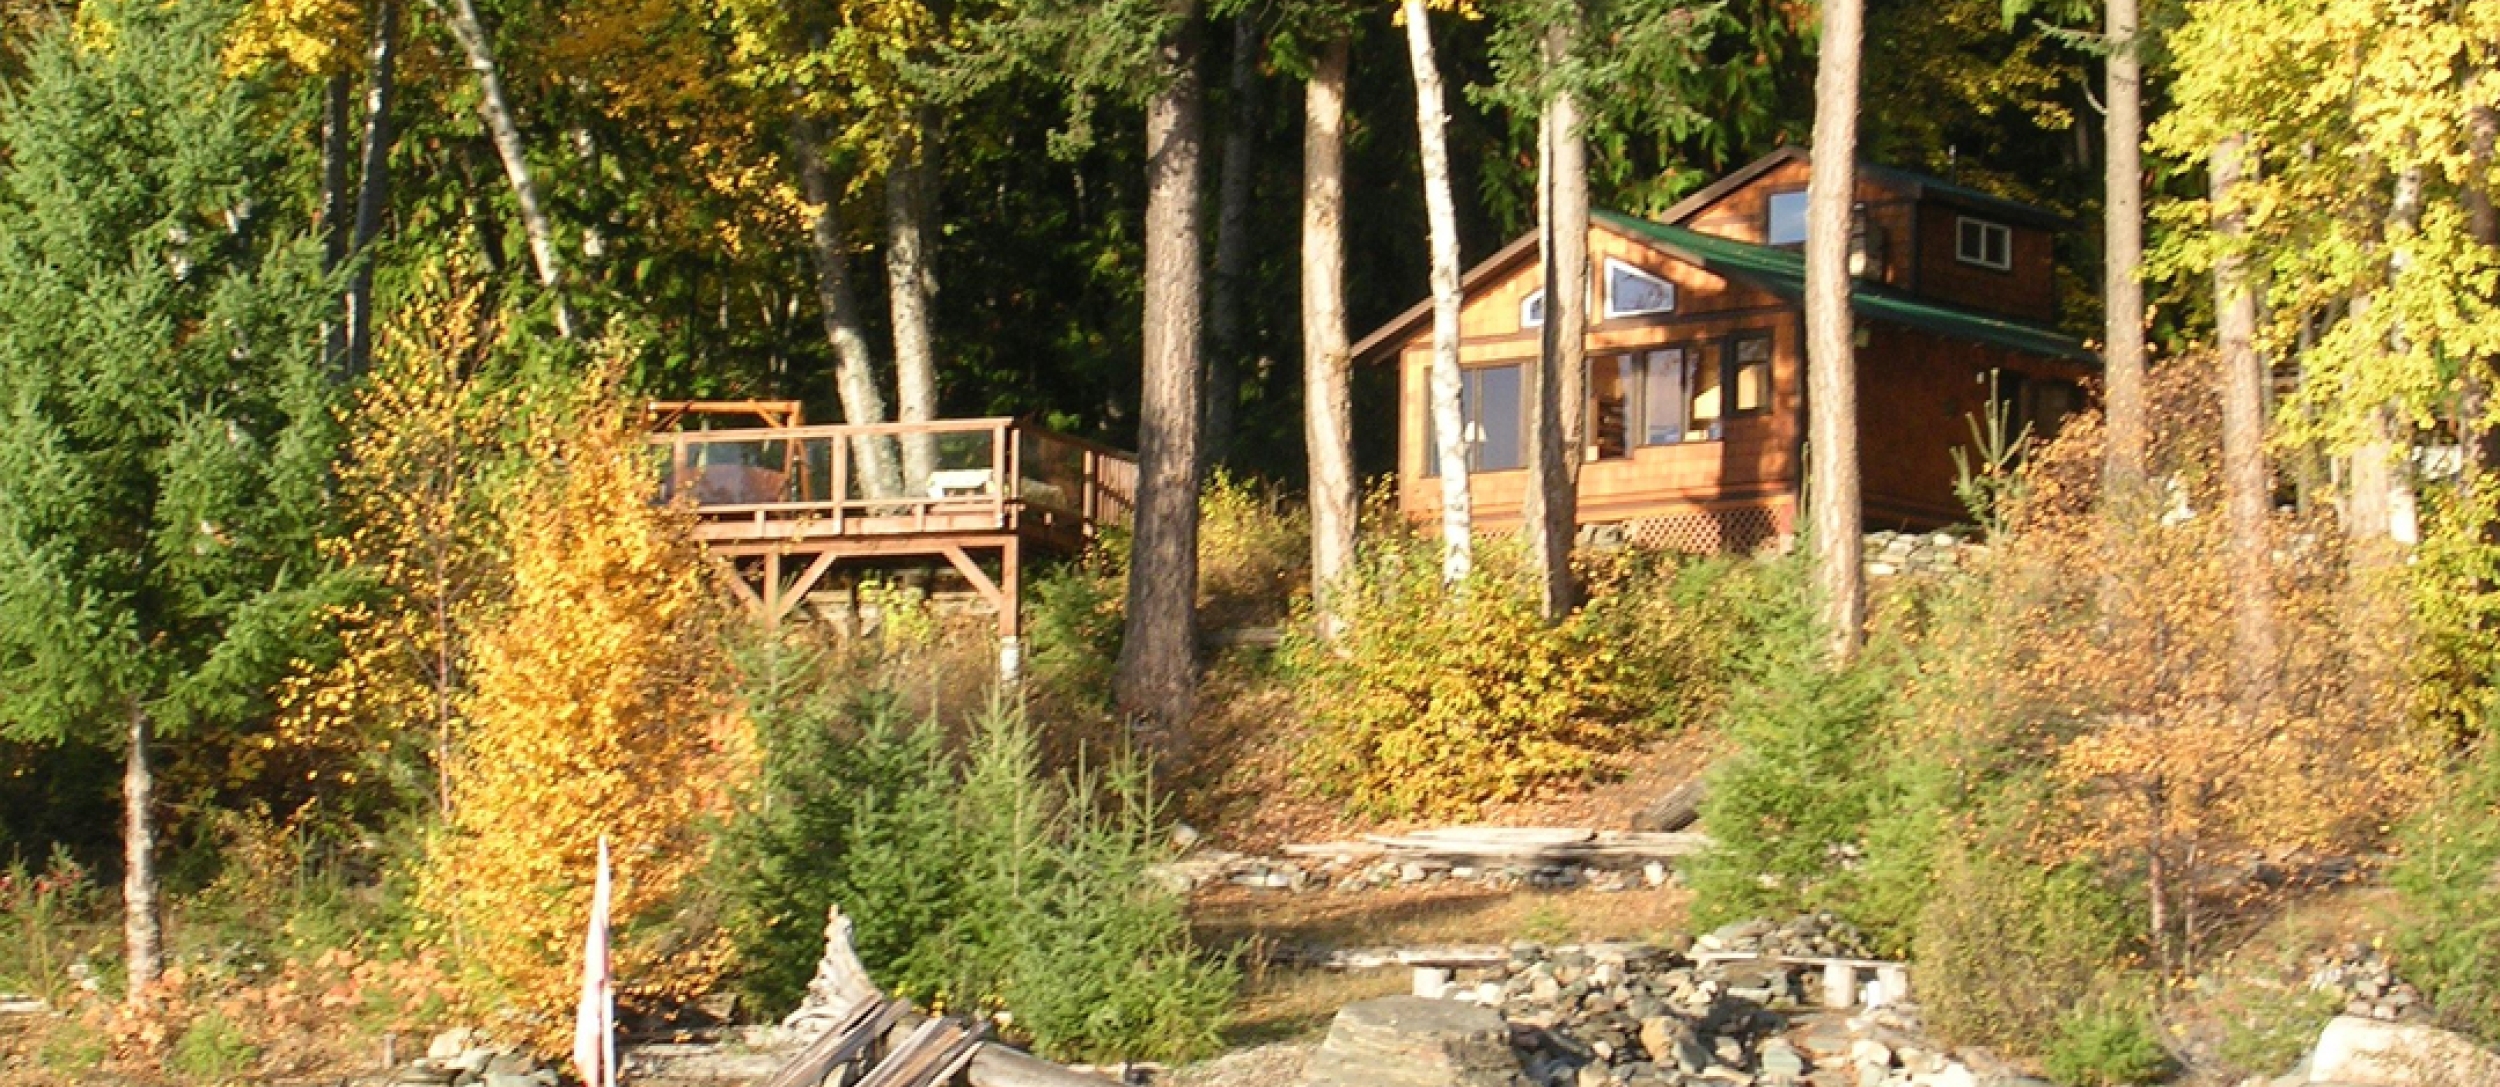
x=1742 y=529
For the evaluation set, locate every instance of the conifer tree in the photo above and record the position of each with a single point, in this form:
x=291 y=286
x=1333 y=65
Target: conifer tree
x=164 y=432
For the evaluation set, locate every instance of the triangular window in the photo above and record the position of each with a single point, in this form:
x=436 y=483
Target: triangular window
x=1532 y=310
x=1631 y=292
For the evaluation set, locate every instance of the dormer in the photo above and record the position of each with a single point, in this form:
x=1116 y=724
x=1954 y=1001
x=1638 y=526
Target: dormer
x=1914 y=233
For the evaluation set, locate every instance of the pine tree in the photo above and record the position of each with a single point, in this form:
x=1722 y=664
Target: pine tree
x=165 y=435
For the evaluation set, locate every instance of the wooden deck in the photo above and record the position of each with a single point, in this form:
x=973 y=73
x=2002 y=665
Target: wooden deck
x=779 y=507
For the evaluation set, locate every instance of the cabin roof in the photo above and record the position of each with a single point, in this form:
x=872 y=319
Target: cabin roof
x=1920 y=186
x=1780 y=271
x=1783 y=272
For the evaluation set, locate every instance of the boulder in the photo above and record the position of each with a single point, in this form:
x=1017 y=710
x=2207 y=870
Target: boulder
x=1405 y=1041
x=2357 y=1052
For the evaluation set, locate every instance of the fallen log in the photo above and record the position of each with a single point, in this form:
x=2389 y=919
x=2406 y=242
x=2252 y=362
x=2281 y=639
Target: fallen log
x=1676 y=809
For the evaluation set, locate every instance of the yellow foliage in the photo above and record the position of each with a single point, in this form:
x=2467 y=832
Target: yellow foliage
x=597 y=708
x=424 y=437
x=316 y=36
x=2119 y=655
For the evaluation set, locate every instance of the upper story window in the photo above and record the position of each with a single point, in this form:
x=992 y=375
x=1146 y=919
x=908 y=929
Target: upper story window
x=1631 y=292
x=1532 y=310
x=1788 y=219
x=1986 y=244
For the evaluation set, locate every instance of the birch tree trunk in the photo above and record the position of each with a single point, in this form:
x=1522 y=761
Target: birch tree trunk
x=143 y=933
x=1227 y=342
x=1832 y=481
x=1157 y=675
x=478 y=49
x=2378 y=503
x=373 y=186
x=854 y=370
x=2482 y=221
x=2247 y=490
x=911 y=292
x=2123 y=230
x=1327 y=378
x=1555 y=447
x=336 y=207
x=1449 y=421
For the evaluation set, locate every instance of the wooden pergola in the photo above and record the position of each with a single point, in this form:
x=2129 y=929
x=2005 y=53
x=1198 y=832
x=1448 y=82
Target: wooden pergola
x=779 y=506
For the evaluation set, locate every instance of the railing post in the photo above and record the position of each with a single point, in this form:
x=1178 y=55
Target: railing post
x=998 y=474
x=841 y=483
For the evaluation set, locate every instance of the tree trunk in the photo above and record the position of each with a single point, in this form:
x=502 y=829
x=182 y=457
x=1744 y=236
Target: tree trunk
x=502 y=127
x=1555 y=446
x=2123 y=229
x=1157 y=677
x=2479 y=439
x=1449 y=420
x=854 y=371
x=2248 y=491
x=334 y=209
x=1227 y=341
x=373 y=188
x=1327 y=378
x=911 y=290
x=143 y=934
x=2378 y=503
x=1832 y=482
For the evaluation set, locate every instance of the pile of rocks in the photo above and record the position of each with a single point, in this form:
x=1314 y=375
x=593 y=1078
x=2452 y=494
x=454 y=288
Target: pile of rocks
x=466 y=1058
x=1893 y=553
x=2368 y=985
x=1655 y=1016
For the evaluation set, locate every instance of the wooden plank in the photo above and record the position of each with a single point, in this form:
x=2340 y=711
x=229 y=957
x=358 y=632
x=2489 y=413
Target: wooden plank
x=921 y=1053
x=1794 y=960
x=865 y=1026
x=806 y=583
x=736 y=581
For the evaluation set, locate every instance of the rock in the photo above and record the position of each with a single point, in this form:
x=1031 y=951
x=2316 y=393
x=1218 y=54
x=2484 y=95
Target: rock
x=1185 y=836
x=1404 y=1041
x=1594 y=1075
x=1780 y=1060
x=1671 y=1043
x=2367 y=1053
x=450 y=1044
x=1868 y=1051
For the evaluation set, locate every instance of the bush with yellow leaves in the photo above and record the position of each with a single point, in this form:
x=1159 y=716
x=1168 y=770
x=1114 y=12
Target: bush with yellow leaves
x=596 y=708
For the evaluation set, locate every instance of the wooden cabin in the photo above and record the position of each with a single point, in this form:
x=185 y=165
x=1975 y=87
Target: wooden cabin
x=1695 y=410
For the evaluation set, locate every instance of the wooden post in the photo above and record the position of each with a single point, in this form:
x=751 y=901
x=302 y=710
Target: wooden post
x=772 y=589
x=1011 y=612
x=841 y=485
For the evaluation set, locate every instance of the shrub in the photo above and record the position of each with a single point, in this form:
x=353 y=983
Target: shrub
x=974 y=879
x=2269 y=1029
x=1788 y=811
x=1435 y=699
x=2450 y=945
x=2107 y=1041
x=1254 y=552
x=2005 y=948
x=47 y=919
x=211 y=1050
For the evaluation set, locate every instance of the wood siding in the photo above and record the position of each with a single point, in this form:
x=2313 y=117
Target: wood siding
x=1917 y=396
x=1744 y=214
x=2027 y=291
x=1757 y=457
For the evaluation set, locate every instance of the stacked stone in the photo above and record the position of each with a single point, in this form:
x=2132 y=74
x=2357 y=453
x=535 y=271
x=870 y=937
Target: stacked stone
x=465 y=1058
x=2368 y=986
x=1642 y=1015
x=1890 y=554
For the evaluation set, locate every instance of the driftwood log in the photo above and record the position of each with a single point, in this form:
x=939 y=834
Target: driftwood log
x=1674 y=810
x=841 y=998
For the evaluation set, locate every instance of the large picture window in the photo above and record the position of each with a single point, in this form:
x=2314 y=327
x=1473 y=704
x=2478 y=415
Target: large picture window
x=1672 y=395
x=1492 y=400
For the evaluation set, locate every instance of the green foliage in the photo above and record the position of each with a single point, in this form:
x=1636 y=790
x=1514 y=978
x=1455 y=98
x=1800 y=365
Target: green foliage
x=2006 y=948
x=2454 y=579
x=2451 y=945
x=1254 y=551
x=47 y=920
x=2107 y=1041
x=1788 y=811
x=2273 y=1027
x=72 y=1047
x=211 y=1050
x=165 y=431
x=974 y=878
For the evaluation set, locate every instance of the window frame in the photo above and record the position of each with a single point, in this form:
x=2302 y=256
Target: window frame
x=1432 y=455
x=1988 y=228
x=1534 y=298
x=1770 y=218
x=1610 y=312
x=1729 y=364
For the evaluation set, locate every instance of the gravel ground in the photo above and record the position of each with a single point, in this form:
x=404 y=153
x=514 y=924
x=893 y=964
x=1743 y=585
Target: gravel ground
x=1275 y=1065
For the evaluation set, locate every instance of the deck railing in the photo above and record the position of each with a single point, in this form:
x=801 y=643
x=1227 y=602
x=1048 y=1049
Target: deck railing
x=983 y=475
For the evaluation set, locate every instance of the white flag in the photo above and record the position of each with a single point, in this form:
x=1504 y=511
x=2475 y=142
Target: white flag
x=594 y=1023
